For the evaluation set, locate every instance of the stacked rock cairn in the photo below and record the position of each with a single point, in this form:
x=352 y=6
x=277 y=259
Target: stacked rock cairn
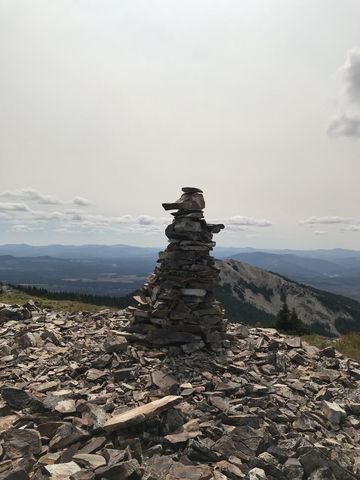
x=176 y=306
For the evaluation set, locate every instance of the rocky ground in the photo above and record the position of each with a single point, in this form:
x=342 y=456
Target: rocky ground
x=82 y=400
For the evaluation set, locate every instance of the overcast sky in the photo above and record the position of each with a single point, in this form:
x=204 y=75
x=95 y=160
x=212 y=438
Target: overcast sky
x=108 y=108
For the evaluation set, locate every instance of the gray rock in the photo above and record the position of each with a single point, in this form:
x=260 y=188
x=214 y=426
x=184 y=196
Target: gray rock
x=124 y=471
x=67 y=434
x=115 y=343
x=333 y=412
x=18 y=399
x=62 y=470
x=322 y=474
x=21 y=443
x=257 y=474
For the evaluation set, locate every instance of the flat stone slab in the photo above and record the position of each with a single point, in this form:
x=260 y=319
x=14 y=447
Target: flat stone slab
x=141 y=414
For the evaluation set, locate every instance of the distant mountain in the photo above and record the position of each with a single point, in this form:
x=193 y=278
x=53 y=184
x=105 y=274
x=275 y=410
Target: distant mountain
x=105 y=269
x=253 y=295
x=79 y=251
x=122 y=250
x=289 y=264
x=95 y=276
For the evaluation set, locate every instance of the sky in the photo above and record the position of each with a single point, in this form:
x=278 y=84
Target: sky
x=108 y=108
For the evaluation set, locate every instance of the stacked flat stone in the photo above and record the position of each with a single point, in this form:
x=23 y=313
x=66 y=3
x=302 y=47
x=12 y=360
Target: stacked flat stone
x=177 y=304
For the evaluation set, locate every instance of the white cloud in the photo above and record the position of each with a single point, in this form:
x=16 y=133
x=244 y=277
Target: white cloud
x=81 y=201
x=22 y=228
x=346 y=122
x=241 y=221
x=353 y=228
x=320 y=232
x=327 y=220
x=62 y=220
x=13 y=207
x=31 y=195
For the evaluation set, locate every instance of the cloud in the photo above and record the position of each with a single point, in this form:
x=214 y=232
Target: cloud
x=24 y=218
x=13 y=207
x=352 y=228
x=81 y=202
x=247 y=221
x=346 y=122
x=347 y=224
x=326 y=220
x=20 y=228
x=31 y=195
x=344 y=126
x=239 y=222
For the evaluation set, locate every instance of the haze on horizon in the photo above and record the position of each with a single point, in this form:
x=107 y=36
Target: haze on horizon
x=108 y=108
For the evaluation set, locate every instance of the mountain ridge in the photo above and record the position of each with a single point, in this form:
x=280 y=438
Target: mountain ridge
x=325 y=313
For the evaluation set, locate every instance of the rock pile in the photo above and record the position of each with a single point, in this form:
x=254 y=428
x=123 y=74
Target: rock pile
x=80 y=401
x=177 y=305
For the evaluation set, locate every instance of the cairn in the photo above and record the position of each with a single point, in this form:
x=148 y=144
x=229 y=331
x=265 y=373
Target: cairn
x=176 y=306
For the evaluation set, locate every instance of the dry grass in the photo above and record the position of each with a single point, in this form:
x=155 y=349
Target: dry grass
x=19 y=298
x=348 y=345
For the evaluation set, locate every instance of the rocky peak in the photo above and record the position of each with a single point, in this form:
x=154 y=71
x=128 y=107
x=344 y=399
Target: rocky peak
x=81 y=399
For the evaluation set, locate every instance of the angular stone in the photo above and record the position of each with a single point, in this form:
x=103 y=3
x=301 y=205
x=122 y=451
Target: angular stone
x=115 y=343
x=124 y=471
x=89 y=460
x=62 y=471
x=322 y=474
x=6 y=422
x=21 y=442
x=170 y=337
x=165 y=382
x=141 y=414
x=333 y=412
x=95 y=414
x=67 y=434
x=93 y=374
x=257 y=474
x=196 y=292
x=293 y=469
x=66 y=406
x=93 y=445
x=243 y=419
x=10 y=312
x=30 y=339
x=124 y=374
x=314 y=459
x=328 y=352
x=18 y=399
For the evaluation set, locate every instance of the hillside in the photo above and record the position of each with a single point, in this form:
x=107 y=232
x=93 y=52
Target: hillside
x=254 y=294
x=289 y=264
x=61 y=301
x=81 y=399
x=336 y=271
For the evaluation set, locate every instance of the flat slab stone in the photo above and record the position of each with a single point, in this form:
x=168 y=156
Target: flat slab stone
x=141 y=414
x=61 y=471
